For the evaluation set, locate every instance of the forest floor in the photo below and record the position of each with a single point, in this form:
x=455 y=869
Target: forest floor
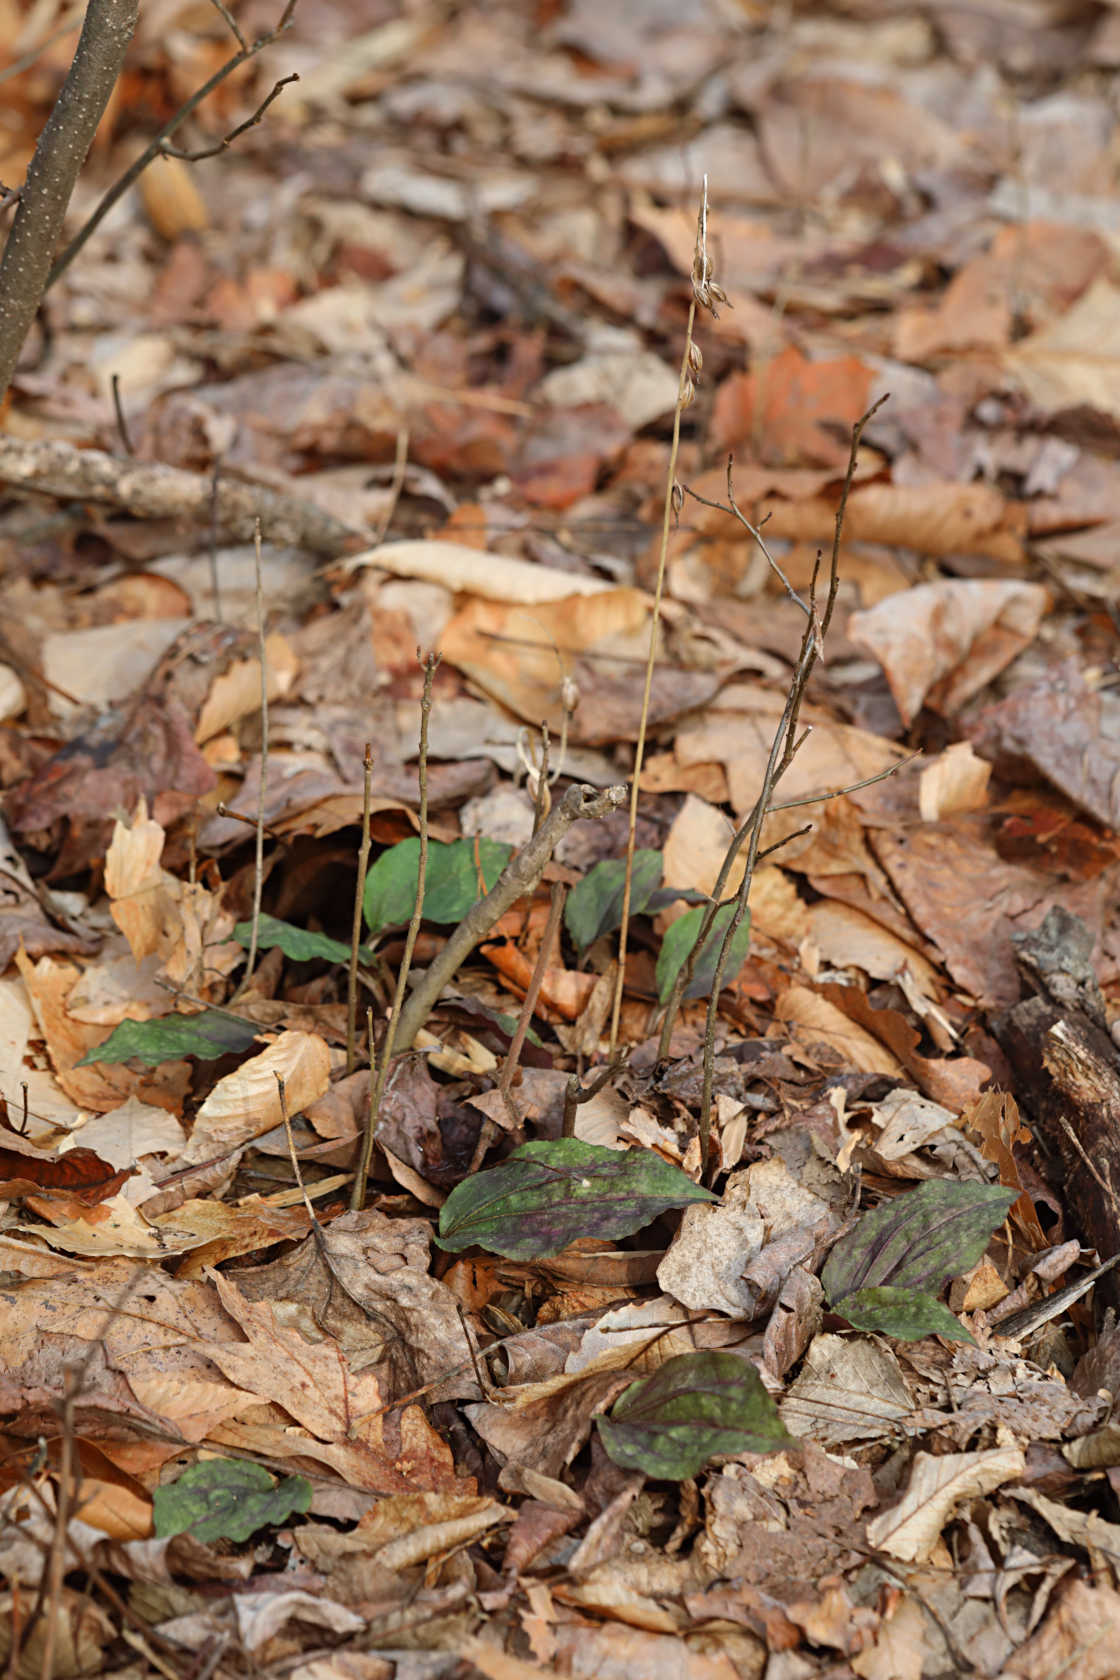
x=832 y=1395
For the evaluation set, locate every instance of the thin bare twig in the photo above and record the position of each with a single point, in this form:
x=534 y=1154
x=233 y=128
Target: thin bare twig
x=785 y=744
x=377 y=1093
x=356 y=925
x=520 y=876
x=540 y=969
x=153 y=149
x=258 y=860
x=234 y=133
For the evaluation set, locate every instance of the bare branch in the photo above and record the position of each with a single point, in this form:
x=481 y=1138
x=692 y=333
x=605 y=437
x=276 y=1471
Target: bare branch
x=62 y=149
x=156 y=146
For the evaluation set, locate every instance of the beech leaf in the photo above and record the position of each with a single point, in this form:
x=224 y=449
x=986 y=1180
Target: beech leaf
x=546 y=1194
x=694 y=1406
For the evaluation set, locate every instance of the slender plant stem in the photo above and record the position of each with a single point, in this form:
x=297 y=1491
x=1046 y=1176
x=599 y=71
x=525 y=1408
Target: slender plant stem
x=651 y=660
x=540 y=969
x=705 y=295
x=520 y=876
x=377 y=1095
x=258 y=861
x=356 y=925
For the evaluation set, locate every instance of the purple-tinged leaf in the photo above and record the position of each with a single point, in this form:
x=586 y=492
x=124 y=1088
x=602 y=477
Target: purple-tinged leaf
x=905 y=1314
x=545 y=1195
x=919 y=1240
x=693 y=1407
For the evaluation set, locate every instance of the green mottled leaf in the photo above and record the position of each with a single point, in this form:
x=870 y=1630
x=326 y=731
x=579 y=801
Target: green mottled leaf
x=682 y=936
x=919 y=1240
x=297 y=943
x=207 y=1035
x=451 y=881
x=227 y=1499
x=545 y=1195
x=906 y=1314
x=694 y=1406
x=594 y=904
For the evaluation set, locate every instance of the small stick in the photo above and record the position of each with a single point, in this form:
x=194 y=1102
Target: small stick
x=705 y=293
x=357 y=1198
x=785 y=744
x=258 y=862
x=359 y=896
x=575 y=1093
x=540 y=968
x=118 y=410
x=520 y=876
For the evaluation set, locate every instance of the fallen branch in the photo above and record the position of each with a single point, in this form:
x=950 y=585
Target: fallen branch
x=148 y=490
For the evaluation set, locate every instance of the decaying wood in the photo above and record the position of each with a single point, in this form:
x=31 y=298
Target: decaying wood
x=148 y=490
x=1067 y=1071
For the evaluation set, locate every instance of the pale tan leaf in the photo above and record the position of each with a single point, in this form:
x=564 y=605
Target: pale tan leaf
x=938 y=1485
x=246 y=1103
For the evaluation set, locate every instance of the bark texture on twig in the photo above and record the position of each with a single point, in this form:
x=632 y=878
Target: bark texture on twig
x=151 y=491
x=520 y=876
x=62 y=150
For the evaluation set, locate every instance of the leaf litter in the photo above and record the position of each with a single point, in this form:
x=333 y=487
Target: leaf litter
x=570 y=1390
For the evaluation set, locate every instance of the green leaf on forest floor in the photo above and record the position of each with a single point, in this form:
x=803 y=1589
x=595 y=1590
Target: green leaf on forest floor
x=209 y=1034
x=457 y=876
x=919 y=1240
x=905 y=1314
x=694 y=1406
x=594 y=904
x=546 y=1194
x=227 y=1499
x=677 y=945
x=297 y=943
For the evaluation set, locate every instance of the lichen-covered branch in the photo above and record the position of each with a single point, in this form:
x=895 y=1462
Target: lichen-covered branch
x=149 y=490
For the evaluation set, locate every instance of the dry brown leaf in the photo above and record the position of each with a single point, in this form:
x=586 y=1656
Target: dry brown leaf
x=246 y=1103
x=937 y=1486
x=815 y=1020
x=1075 y=359
x=939 y=643
x=105 y=1085
x=237 y=691
x=956 y=780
